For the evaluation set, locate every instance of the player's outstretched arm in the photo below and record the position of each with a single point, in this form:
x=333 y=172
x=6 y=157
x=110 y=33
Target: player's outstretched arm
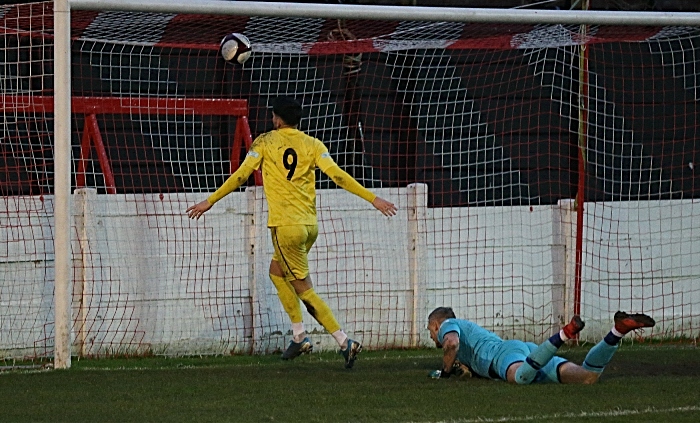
x=348 y=183
x=232 y=183
x=386 y=207
x=196 y=211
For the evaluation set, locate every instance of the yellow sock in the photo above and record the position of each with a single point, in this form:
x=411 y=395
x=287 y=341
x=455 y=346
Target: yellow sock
x=288 y=298
x=319 y=310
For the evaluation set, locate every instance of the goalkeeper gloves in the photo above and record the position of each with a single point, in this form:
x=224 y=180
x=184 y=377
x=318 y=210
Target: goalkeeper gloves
x=458 y=369
x=461 y=370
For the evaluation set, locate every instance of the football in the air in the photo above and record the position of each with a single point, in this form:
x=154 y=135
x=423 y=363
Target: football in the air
x=235 y=48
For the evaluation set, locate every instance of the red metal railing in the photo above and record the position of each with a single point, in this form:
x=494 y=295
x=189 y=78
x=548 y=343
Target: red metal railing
x=91 y=107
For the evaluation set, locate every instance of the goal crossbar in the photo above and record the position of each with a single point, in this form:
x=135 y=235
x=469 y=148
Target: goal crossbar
x=395 y=13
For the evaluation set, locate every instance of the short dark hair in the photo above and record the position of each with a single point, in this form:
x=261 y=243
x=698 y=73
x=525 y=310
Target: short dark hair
x=288 y=109
x=442 y=313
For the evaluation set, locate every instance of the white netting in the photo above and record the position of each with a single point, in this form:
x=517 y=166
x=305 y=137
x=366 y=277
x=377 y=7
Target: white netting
x=487 y=120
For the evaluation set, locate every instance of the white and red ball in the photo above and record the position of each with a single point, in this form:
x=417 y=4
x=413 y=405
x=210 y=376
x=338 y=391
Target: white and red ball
x=235 y=48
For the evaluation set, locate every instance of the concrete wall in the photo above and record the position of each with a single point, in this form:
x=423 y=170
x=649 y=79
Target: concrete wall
x=147 y=279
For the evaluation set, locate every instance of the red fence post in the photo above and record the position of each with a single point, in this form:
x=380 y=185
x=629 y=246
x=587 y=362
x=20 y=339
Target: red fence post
x=84 y=155
x=101 y=153
x=248 y=139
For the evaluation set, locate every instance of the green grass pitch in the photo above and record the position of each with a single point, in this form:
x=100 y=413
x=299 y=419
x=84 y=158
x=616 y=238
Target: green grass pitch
x=642 y=384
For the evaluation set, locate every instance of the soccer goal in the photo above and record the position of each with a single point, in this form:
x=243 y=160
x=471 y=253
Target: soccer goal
x=543 y=163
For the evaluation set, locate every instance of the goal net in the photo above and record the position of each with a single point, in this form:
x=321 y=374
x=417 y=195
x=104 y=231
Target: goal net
x=540 y=170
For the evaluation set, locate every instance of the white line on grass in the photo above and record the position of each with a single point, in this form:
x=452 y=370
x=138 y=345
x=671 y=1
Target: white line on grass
x=564 y=416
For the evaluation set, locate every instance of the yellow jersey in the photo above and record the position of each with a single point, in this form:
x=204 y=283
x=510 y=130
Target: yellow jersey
x=289 y=159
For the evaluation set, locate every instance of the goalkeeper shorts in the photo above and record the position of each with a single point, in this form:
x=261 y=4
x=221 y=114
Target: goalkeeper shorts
x=514 y=351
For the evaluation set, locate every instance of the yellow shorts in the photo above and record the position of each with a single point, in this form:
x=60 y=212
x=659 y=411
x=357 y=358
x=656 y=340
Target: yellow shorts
x=292 y=244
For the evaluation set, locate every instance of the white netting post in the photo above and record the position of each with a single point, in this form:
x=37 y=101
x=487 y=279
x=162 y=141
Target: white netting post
x=563 y=260
x=62 y=172
x=417 y=232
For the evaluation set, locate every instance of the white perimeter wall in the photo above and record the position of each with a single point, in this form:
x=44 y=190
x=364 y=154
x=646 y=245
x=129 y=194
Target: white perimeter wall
x=149 y=279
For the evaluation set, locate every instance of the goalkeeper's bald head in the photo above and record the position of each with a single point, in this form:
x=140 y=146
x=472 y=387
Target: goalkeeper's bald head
x=435 y=319
x=441 y=313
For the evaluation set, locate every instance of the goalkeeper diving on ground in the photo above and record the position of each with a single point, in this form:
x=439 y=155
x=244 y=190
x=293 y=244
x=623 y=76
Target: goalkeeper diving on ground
x=470 y=349
x=289 y=159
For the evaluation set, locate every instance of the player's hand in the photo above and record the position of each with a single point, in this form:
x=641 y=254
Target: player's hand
x=387 y=208
x=439 y=374
x=461 y=370
x=196 y=211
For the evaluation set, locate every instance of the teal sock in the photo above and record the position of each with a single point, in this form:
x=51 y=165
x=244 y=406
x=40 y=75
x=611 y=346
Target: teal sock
x=599 y=356
x=535 y=361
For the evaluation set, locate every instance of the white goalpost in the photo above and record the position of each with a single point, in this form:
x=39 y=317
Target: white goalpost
x=495 y=236
x=408 y=13
x=62 y=189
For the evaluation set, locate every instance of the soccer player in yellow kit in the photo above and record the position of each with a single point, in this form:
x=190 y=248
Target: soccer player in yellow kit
x=289 y=158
